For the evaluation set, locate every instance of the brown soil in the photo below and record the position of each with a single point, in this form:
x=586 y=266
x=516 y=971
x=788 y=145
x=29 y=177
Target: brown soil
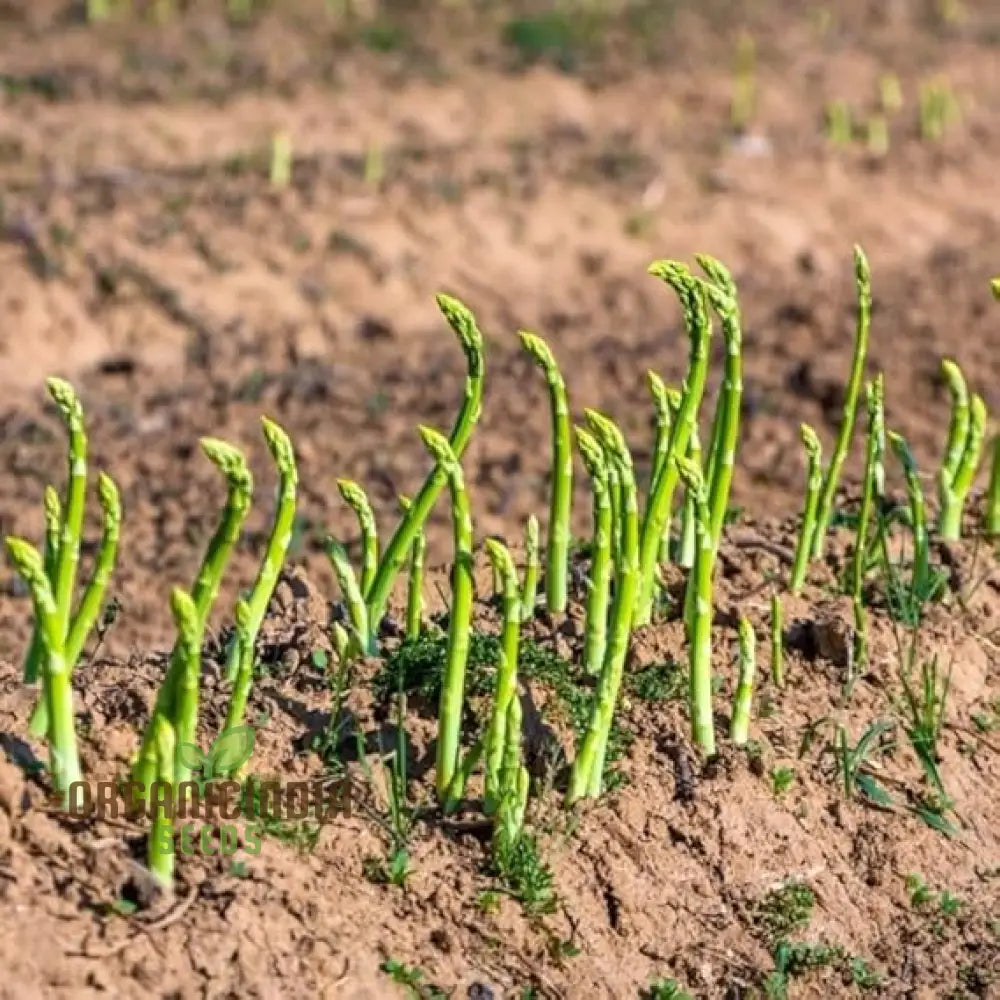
x=144 y=255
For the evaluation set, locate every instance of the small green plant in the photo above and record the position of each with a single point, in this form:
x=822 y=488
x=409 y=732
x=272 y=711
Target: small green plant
x=785 y=910
x=523 y=874
x=281 y=160
x=890 y=93
x=965 y=443
x=781 y=780
x=839 y=126
x=599 y=583
x=412 y=980
x=925 y=701
x=665 y=989
x=561 y=496
x=854 y=763
x=939 y=109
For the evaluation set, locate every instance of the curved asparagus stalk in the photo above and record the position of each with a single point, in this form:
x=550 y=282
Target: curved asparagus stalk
x=239 y=494
x=531 y=566
x=64 y=761
x=53 y=529
x=700 y=622
x=691 y=292
x=93 y=597
x=561 y=496
x=356 y=498
x=459 y=621
x=722 y=294
x=506 y=685
x=599 y=584
x=991 y=517
x=463 y=323
x=824 y=510
x=965 y=440
x=68 y=559
x=349 y=587
x=280 y=446
x=185 y=716
x=874 y=395
x=814 y=483
x=588 y=768
x=739 y=727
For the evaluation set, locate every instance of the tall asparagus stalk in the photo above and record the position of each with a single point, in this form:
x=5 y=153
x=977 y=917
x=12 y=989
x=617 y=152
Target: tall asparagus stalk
x=529 y=591
x=824 y=510
x=700 y=621
x=874 y=459
x=588 y=767
x=697 y=321
x=814 y=483
x=599 y=583
x=460 y=618
x=400 y=545
x=506 y=685
x=415 y=586
x=561 y=496
x=280 y=446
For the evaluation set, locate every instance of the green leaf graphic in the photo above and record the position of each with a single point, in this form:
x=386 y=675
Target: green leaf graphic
x=190 y=756
x=231 y=750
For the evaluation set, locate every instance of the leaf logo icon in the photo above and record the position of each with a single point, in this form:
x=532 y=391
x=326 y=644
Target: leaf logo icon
x=230 y=751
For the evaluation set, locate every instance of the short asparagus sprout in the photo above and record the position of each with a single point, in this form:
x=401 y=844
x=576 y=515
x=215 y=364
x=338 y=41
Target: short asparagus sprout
x=514 y=780
x=700 y=621
x=506 y=685
x=64 y=761
x=697 y=321
x=280 y=446
x=890 y=93
x=918 y=515
x=561 y=496
x=739 y=727
x=810 y=525
x=239 y=495
x=93 y=596
x=281 y=160
x=415 y=584
x=189 y=636
x=531 y=569
x=357 y=612
x=356 y=498
x=874 y=459
x=777 y=642
x=599 y=583
x=588 y=768
x=991 y=518
x=463 y=323
x=460 y=619
x=965 y=441
x=839 y=127
x=824 y=511
x=877 y=137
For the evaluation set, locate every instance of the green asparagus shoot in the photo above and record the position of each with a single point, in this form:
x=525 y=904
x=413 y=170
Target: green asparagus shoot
x=64 y=761
x=991 y=517
x=700 y=621
x=531 y=569
x=839 y=127
x=692 y=294
x=588 y=768
x=686 y=546
x=561 y=496
x=824 y=511
x=890 y=93
x=599 y=582
x=415 y=584
x=53 y=533
x=739 y=728
x=463 y=323
x=93 y=596
x=810 y=525
x=744 y=85
x=965 y=440
x=160 y=855
x=189 y=636
x=356 y=498
x=777 y=642
x=244 y=677
x=506 y=685
x=280 y=446
x=459 y=622
x=923 y=585
x=281 y=160
x=874 y=462
x=357 y=611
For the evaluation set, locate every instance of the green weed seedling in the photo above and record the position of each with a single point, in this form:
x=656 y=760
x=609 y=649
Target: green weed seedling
x=412 y=980
x=785 y=910
x=665 y=989
x=854 y=761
